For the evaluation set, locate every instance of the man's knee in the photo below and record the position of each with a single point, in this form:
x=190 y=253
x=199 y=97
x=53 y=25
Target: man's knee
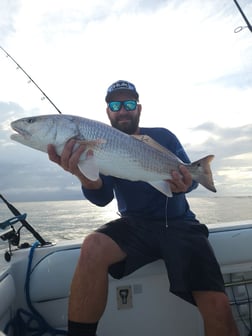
x=98 y=248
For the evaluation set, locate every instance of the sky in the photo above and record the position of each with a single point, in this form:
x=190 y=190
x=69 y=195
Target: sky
x=192 y=71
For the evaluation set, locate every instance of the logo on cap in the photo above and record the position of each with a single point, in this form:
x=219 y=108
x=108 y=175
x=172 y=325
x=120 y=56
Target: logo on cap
x=121 y=85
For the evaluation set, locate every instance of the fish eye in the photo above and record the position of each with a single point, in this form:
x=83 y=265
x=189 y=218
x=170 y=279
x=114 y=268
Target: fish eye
x=30 y=120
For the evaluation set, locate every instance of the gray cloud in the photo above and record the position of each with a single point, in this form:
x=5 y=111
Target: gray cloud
x=8 y=109
x=232 y=165
x=229 y=141
x=29 y=175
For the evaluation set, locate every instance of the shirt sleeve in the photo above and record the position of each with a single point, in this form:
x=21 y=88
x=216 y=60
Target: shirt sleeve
x=102 y=196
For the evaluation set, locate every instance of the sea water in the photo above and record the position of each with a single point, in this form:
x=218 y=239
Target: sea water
x=64 y=220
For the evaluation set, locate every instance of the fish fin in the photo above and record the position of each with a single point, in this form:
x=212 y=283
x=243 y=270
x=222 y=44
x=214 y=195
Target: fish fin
x=204 y=173
x=89 y=168
x=162 y=186
x=91 y=143
x=151 y=142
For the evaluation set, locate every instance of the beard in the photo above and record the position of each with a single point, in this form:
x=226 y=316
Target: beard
x=129 y=125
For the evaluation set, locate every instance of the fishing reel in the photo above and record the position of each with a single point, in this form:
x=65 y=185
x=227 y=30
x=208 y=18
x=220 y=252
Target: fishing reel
x=11 y=234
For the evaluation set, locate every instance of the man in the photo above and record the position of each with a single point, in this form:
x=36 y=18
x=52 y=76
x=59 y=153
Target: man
x=150 y=228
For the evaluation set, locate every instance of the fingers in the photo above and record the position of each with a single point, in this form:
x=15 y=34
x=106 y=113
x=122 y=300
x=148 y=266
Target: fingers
x=52 y=154
x=187 y=177
x=73 y=157
x=181 y=180
x=69 y=158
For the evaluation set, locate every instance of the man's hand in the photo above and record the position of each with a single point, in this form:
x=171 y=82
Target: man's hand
x=69 y=158
x=181 y=181
x=69 y=161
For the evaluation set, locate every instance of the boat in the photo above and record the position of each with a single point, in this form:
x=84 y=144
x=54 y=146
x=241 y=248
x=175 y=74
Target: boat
x=35 y=282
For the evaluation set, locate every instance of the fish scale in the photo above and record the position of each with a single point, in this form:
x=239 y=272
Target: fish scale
x=116 y=149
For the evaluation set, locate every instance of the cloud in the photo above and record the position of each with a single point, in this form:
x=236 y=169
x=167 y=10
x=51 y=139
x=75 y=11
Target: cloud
x=228 y=141
x=8 y=112
x=29 y=175
x=9 y=109
x=232 y=165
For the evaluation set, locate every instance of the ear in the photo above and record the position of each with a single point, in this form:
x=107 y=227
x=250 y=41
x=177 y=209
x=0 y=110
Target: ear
x=139 y=107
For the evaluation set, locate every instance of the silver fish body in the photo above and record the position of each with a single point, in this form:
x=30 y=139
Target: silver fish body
x=114 y=152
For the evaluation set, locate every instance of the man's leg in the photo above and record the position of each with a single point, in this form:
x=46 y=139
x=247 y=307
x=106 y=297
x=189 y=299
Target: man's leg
x=89 y=287
x=216 y=312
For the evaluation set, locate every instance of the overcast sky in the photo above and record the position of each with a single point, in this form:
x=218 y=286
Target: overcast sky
x=192 y=71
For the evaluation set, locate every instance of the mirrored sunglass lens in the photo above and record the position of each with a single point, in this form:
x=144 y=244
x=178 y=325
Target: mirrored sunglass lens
x=115 y=106
x=130 y=105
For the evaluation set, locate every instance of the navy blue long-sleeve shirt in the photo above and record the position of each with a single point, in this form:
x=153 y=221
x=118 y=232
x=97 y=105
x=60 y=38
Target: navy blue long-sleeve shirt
x=140 y=198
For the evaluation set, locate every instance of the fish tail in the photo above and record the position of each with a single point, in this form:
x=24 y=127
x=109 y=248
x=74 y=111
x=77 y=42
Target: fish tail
x=203 y=173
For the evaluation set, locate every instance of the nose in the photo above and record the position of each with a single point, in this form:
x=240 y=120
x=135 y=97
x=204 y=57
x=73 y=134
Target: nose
x=123 y=110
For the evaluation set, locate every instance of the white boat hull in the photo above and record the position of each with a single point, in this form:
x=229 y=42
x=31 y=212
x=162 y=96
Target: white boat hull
x=139 y=304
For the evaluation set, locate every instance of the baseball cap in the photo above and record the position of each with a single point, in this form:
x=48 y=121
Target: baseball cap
x=121 y=86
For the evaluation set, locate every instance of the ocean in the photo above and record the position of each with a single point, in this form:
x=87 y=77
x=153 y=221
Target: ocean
x=66 y=220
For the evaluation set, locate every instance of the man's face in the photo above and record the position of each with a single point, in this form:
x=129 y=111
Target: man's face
x=123 y=120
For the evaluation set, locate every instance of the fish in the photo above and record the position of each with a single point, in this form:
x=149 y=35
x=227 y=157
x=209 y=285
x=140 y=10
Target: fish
x=129 y=157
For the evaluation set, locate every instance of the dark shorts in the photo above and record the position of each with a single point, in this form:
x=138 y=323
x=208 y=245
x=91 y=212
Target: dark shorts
x=184 y=247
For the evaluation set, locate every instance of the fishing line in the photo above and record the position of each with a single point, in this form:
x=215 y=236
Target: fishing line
x=166 y=206
x=30 y=79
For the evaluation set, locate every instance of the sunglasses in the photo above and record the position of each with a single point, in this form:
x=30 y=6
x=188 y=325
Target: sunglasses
x=129 y=105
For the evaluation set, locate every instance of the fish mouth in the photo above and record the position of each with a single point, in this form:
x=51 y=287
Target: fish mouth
x=20 y=132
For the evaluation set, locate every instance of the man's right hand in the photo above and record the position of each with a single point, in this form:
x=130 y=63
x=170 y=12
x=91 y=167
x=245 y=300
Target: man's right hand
x=69 y=161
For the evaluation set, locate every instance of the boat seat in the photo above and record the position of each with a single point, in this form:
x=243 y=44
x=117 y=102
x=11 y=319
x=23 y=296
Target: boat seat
x=50 y=285
x=51 y=277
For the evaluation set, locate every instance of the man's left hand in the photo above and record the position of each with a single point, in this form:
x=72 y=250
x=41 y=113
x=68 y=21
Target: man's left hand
x=181 y=180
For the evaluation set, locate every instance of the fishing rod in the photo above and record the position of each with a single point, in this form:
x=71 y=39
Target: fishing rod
x=249 y=26
x=16 y=212
x=30 y=79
